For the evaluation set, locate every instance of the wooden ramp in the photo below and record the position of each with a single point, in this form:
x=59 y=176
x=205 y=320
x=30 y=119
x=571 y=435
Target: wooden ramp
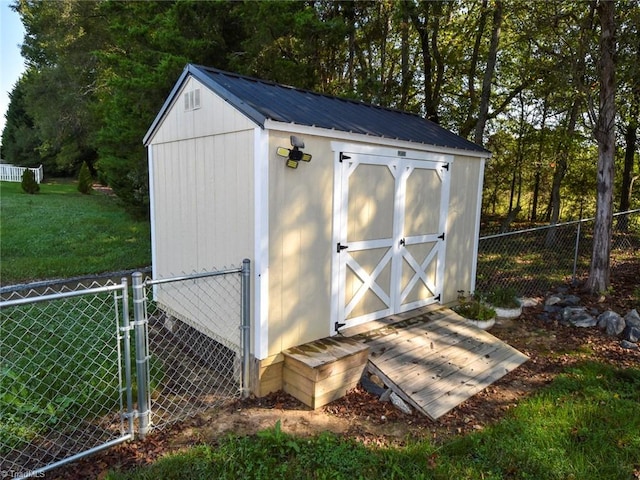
x=433 y=359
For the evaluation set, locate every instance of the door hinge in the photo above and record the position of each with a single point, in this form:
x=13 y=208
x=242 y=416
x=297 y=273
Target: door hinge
x=402 y=242
x=437 y=298
x=341 y=247
x=446 y=166
x=337 y=326
x=441 y=237
x=344 y=157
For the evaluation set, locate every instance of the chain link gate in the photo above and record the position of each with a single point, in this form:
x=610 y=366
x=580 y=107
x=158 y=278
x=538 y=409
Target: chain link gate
x=72 y=362
x=195 y=352
x=63 y=376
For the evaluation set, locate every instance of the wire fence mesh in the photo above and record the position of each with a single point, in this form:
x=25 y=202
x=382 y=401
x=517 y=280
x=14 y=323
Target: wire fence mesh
x=194 y=344
x=61 y=377
x=533 y=260
x=74 y=362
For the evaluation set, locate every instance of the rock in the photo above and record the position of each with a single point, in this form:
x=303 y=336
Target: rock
x=386 y=395
x=631 y=334
x=611 y=322
x=629 y=345
x=571 y=301
x=400 y=404
x=562 y=289
x=578 y=317
x=552 y=309
x=529 y=302
x=553 y=300
x=632 y=318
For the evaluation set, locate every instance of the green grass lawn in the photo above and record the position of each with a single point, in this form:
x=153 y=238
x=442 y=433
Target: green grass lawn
x=585 y=426
x=60 y=233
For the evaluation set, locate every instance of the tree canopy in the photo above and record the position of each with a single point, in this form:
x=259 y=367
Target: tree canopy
x=521 y=78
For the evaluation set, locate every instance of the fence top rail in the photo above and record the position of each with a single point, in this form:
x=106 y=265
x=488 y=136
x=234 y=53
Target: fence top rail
x=193 y=276
x=544 y=227
x=61 y=295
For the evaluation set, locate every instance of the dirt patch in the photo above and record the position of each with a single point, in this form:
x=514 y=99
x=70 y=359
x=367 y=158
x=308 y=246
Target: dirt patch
x=550 y=346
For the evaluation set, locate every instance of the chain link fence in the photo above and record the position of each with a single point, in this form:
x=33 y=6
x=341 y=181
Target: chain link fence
x=62 y=376
x=532 y=261
x=194 y=344
x=78 y=375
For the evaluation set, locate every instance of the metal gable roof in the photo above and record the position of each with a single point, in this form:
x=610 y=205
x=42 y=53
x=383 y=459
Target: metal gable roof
x=261 y=100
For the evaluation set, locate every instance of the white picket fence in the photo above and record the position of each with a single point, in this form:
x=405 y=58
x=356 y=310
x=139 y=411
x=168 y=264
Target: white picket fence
x=11 y=173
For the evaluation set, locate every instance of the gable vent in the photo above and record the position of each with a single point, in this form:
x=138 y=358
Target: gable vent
x=192 y=100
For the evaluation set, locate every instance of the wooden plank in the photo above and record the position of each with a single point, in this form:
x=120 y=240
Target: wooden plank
x=321 y=352
x=374 y=325
x=436 y=365
x=329 y=369
x=330 y=384
x=455 y=397
x=425 y=345
x=446 y=325
x=319 y=401
x=456 y=377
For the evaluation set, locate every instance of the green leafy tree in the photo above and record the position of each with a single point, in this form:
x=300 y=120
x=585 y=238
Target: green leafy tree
x=19 y=137
x=60 y=94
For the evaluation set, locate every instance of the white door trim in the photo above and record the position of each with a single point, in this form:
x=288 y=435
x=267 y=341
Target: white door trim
x=401 y=164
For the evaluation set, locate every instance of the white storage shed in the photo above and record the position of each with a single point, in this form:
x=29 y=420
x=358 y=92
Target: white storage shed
x=383 y=219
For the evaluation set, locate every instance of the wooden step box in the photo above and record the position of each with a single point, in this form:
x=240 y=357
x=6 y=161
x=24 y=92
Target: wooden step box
x=322 y=371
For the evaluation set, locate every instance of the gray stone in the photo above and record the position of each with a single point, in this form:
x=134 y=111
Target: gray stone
x=631 y=334
x=578 y=317
x=386 y=395
x=629 y=345
x=400 y=404
x=611 y=322
x=571 y=300
x=633 y=318
x=562 y=289
x=552 y=309
x=553 y=300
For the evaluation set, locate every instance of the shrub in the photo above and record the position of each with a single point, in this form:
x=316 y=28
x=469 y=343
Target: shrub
x=473 y=307
x=29 y=184
x=85 y=182
x=504 y=297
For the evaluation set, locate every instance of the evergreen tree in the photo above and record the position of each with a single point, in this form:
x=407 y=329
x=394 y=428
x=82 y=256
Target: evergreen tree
x=85 y=182
x=29 y=184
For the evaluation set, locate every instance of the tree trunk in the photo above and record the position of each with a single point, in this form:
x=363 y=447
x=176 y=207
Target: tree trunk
x=604 y=133
x=485 y=96
x=536 y=185
x=553 y=212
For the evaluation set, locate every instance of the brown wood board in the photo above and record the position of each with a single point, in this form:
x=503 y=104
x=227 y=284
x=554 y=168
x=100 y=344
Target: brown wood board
x=435 y=365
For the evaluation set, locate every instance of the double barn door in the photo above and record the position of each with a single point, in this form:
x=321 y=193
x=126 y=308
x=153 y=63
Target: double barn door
x=391 y=234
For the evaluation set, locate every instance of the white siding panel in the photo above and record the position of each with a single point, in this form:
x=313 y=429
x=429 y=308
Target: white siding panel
x=214 y=116
x=203 y=194
x=300 y=244
x=461 y=237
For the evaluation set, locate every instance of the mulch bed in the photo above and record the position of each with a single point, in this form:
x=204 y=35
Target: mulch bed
x=551 y=347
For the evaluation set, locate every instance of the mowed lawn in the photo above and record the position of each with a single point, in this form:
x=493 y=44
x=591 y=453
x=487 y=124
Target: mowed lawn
x=60 y=233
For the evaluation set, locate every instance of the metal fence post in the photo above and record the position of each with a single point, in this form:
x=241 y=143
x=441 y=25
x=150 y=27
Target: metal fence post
x=575 y=253
x=246 y=324
x=142 y=352
x=126 y=336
